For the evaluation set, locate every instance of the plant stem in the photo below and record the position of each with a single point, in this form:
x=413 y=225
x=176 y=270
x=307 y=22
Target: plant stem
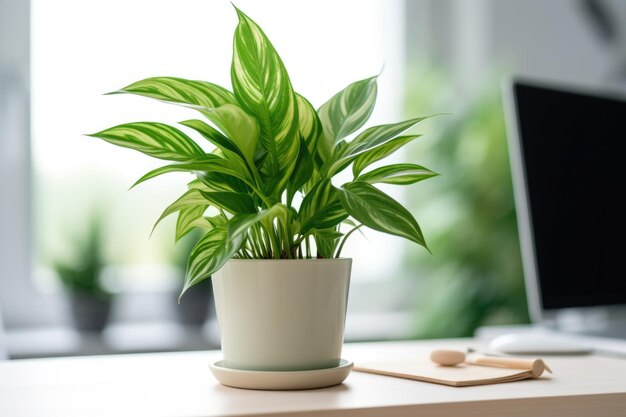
x=262 y=196
x=258 y=241
x=253 y=245
x=308 y=247
x=300 y=239
x=343 y=241
x=266 y=242
x=271 y=233
x=288 y=239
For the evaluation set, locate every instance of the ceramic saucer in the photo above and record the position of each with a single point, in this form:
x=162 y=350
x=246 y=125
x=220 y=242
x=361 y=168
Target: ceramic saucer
x=289 y=380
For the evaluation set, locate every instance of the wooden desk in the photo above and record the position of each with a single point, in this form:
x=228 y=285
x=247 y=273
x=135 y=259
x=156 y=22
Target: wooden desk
x=180 y=384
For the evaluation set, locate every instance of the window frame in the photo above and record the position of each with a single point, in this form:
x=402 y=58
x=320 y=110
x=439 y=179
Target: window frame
x=22 y=304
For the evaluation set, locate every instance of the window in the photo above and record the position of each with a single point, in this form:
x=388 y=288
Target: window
x=80 y=50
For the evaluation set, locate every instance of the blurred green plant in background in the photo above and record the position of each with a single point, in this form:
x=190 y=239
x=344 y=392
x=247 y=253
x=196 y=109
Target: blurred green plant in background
x=89 y=300
x=474 y=276
x=82 y=274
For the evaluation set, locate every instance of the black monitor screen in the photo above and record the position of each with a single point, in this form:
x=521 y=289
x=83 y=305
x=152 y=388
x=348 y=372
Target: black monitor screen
x=574 y=155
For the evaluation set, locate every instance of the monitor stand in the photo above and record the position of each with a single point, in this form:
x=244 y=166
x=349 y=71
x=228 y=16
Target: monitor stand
x=607 y=321
x=542 y=341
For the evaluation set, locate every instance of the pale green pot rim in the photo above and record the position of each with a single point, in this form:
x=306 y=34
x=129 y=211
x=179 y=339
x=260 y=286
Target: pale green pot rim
x=312 y=260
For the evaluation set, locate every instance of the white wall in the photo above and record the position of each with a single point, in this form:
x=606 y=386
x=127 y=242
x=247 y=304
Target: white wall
x=552 y=40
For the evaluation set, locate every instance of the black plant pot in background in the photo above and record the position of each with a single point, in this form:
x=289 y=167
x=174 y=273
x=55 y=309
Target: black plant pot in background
x=89 y=313
x=194 y=307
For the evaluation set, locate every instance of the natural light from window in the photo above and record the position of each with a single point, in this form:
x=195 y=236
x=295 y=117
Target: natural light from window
x=82 y=49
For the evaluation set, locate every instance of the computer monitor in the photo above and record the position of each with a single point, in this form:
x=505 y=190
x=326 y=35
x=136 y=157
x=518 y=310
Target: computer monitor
x=568 y=157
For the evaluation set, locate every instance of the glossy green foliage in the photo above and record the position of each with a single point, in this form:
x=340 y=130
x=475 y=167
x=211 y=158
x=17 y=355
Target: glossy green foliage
x=271 y=145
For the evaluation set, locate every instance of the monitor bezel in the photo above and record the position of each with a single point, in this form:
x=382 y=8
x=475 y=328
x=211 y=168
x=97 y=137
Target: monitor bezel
x=538 y=313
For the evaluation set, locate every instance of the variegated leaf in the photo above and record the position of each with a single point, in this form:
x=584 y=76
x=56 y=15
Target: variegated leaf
x=241 y=223
x=309 y=124
x=188 y=223
x=154 y=139
x=321 y=208
x=209 y=254
x=370 y=138
x=262 y=87
x=400 y=174
x=378 y=211
x=378 y=135
x=197 y=184
x=208 y=163
x=225 y=146
x=380 y=152
x=190 y=218
x=191 y=198
x=214 y=136
x=232 y=202
x=348 y=110
x=180 y=91
x=216 y=181
x=302 y=172
x=239 y=126
x=221 y=243
x=326 y=242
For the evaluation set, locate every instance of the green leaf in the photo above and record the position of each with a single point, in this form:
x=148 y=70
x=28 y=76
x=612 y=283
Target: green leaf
x=217 y=220
x=321 y=208
x=191 y=198
x=302 y=172
x=378 y=211
x=380 y=152
x=154 y=139
x=191 y=217
x=210 y=254
x=216 y=181
x=345 y=113
x=262 y=87
x=400 y=174
x=348 y=110
x=208 y=163
x=239 y=126
x=370 y=138
x=186 y=222
x=228 y=148
x=329 y=234
x=188 y=219
x=214 y=136
x=378 y=135
x=234 y=203
x=221 y=243
x=310 y=126
x=326 y=242
x=197 y=184
x=241 y=223
x=180 y=91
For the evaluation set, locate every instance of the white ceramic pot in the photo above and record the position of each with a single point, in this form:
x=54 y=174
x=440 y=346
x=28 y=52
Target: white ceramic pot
x=282 y=315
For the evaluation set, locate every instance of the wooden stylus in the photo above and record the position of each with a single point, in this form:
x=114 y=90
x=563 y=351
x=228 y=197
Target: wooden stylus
x=455 y=357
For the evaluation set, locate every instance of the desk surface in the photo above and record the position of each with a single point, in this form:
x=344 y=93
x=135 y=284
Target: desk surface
x=180 y=384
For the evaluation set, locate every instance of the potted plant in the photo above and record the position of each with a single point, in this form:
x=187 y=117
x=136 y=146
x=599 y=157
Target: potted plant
x=276 y=224
x=90 y=302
